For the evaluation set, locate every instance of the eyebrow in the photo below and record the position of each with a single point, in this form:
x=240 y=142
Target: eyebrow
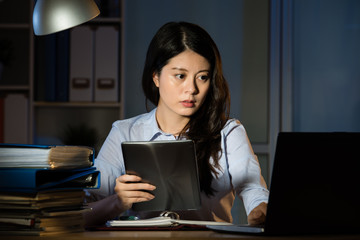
x=183 y=69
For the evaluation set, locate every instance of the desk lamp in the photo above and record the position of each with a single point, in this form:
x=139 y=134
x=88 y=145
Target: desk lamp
x=52 y=16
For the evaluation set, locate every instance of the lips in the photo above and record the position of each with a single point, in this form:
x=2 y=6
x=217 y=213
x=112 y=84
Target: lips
x=188 y=103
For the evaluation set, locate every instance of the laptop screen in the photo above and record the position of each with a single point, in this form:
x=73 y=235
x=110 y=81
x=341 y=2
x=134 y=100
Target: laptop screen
x=315 y=184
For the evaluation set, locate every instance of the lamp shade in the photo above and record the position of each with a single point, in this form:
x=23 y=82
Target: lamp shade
x=52 y=16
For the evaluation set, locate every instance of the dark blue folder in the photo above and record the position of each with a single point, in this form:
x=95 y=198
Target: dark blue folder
x=33 y=180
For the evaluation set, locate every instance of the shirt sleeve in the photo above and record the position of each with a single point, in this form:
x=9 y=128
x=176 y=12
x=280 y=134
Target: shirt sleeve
x=243 y=166
x=110 y=163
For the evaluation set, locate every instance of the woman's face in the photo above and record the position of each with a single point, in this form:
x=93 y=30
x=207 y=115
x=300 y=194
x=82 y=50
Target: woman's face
x=183 y=84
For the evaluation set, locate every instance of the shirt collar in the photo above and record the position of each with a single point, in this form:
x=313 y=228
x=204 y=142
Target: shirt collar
x=152 y=130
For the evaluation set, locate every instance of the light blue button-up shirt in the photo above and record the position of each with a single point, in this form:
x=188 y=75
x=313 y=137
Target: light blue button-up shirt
x=239 y=174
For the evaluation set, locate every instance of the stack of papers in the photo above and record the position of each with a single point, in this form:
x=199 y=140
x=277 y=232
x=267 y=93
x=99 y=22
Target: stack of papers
x=39 y=156
x=42 y=213
x=42 y=188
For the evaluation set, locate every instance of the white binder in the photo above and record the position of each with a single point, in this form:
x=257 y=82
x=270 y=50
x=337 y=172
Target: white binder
x=16 y=109
x=81 y=64
x=106 y=64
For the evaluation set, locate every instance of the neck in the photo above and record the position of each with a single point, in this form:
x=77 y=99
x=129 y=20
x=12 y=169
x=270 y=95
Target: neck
x=172 y=124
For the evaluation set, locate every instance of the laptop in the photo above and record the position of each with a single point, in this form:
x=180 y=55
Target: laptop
x=314 y=187
x=169 y=165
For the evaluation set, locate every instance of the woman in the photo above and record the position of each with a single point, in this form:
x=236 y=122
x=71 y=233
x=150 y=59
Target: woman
x=183 y=78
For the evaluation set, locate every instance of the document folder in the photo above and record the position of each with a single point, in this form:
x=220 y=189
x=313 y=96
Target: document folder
x=106 y=64
x=33 y=180
x=81 y=64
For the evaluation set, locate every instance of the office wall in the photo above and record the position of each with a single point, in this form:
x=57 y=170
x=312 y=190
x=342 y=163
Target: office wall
x=326 y=65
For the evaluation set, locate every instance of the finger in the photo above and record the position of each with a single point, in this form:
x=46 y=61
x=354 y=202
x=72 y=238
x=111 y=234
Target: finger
x=128 y=178
x=134 y=186
x=137 y=196
x=141 y=186
x=129 y=182
x=133 y=179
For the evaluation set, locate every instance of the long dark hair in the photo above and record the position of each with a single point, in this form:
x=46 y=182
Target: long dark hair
x=206 y=124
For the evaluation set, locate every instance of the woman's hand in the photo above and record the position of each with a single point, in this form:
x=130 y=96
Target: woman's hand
x=130 y=189
x=258 y=214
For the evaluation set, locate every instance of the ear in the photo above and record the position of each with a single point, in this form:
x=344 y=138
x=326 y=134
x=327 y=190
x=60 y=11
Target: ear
x=156 y=79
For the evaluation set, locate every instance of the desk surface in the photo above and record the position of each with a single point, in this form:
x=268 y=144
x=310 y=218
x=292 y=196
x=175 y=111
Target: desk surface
x=152 y=235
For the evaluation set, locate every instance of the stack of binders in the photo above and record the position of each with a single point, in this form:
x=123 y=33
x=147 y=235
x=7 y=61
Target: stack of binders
x=42 y=188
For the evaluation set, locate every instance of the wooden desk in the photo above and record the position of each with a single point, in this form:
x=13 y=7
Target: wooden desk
x=178 y=235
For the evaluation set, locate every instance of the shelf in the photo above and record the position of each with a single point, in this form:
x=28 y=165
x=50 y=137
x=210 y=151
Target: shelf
x=106 y=20
x=78 y=104
x=14 y=88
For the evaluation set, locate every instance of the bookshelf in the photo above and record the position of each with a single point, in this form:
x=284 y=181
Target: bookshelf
x=16 y=71
x=46 y=80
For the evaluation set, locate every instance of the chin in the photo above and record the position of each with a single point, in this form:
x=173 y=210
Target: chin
x=187 y=112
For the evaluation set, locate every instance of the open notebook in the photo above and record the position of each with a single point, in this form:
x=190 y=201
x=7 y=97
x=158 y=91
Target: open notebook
x=161 y=222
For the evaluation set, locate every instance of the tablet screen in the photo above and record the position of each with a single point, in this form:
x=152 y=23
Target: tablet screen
x=169 y=165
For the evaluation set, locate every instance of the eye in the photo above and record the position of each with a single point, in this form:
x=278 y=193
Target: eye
x=180 y=76
x=204 y=77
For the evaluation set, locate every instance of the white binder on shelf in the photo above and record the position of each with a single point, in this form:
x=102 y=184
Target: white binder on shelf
x=81 y=85
x=16 y=115
x=106 y=64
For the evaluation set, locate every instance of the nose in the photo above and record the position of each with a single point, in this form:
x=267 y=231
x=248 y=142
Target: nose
x=191 y=86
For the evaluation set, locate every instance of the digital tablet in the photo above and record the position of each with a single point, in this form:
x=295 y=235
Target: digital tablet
x=169 y=165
